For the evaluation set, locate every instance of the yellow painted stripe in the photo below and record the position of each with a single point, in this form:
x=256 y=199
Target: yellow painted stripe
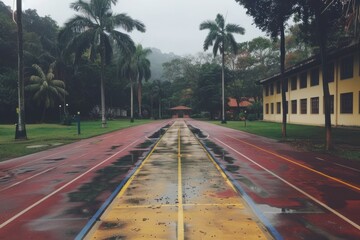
x=127 y=184
x=239 y=205
x=298 y=164
x=180 y=229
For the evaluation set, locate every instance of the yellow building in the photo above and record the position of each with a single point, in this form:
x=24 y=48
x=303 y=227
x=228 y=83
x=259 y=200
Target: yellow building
x=304 y=91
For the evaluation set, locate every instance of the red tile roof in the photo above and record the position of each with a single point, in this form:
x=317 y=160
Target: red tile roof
x=180 y=108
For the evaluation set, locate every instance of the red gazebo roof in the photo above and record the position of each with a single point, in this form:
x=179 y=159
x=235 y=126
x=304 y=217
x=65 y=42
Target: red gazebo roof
x=180 y=108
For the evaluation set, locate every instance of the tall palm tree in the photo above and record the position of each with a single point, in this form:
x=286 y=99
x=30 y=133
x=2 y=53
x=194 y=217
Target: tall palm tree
x=95 y=30
x=221 y=37
x=46 y=89
x=20 y=132
x=135 y=68
x=144 y=70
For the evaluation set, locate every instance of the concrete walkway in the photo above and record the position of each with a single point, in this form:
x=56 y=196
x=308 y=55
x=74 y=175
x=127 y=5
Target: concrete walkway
x=178 y=193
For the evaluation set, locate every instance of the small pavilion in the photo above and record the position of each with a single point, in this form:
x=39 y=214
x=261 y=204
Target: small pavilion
x=180 y=112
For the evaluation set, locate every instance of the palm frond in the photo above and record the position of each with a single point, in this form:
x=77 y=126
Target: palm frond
x=211 y=25
x=127 y=23
x=234 y=28
x=124 y=42
x=220 y=21
x=39 y=71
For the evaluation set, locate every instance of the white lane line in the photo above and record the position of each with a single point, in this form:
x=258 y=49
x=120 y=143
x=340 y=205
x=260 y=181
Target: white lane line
x=61 y=188
x=354 y=169
x=45 y=171
x=320 y=159
x=17 y=183
x=294 y=187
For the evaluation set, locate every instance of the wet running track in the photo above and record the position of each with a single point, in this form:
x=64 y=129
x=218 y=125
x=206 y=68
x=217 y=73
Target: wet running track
x=53 y=194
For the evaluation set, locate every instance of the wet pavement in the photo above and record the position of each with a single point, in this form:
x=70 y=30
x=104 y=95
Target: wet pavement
x=178 y=193
x=303 y=195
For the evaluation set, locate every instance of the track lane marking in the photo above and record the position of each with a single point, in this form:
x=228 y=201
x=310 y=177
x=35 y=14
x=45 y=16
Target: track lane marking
x=40 y=173
x=180 y=229
x=61 y=188
x=296 y=163
x=294 y=187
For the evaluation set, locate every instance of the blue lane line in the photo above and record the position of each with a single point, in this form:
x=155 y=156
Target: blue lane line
x=100 y=211
x=247 y=198
x=103 y=207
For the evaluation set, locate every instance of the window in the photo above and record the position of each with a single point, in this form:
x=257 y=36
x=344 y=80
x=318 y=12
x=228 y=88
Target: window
x=346 y=103
x=294 y=83
x=314 y=77
x=294 y=106
x=272 y=108
x=347 y=67
x=303 y=106
x=314 y=105
x=271 y=88
x=330 y=72
x=278 y=107
x=278 y=87
x=303 y=80
x=267 y=108
x=331 y=104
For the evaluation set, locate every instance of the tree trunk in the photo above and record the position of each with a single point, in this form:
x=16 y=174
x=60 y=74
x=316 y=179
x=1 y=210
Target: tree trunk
x=282 y=71
x=102 y=80
x=139 y=97
x=322 y=37
x=20 y=132
x=131 y=101
x=223 y=120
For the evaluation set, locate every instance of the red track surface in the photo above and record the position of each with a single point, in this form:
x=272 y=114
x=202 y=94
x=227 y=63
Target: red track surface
x=40 y=194
x=304 y=195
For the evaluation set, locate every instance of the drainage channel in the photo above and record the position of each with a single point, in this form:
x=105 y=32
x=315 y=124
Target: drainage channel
x=178 y=192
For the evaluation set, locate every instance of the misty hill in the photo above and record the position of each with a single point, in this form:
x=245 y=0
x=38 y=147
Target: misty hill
x=157 y=58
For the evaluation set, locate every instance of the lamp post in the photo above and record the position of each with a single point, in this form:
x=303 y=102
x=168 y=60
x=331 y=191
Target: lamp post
x=60 y=113
x=66 y=108
x=245 y=117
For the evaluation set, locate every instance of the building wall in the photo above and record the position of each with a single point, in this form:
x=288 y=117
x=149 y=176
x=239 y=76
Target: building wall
x=337 y=88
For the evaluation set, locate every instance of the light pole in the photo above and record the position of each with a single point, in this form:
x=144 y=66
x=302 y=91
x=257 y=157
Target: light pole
x=60 y=112
x=66 y=109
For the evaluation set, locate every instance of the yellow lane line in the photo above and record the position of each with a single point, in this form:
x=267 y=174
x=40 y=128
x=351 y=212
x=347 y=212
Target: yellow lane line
x=127 y=184
x=298 y=164
x=180 y=229
x=239 y=205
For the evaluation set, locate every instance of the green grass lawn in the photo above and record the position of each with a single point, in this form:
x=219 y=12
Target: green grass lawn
x=51 y=135
x=346 y=140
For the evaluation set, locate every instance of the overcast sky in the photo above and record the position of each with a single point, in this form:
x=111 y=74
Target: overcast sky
x=171 y=25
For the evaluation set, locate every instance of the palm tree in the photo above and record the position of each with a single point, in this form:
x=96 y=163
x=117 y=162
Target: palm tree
x=221 y=37
x=95 y=30
x=143 y=69
x=46 y=89
x=20 y=132
x=135 y=68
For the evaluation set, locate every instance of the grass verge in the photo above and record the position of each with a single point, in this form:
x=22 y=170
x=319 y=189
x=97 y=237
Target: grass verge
x=45 y=136
x=312 y=138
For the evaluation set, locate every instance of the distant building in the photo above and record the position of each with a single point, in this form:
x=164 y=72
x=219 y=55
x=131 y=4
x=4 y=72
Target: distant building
x=304 y=91
x=180 y=112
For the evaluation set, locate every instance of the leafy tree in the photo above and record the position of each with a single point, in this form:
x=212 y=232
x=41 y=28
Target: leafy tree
x=221 y=37
x=271 y=16
x=206 y=93
x=321 y=21
x=95 y=30
x=46 y=89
